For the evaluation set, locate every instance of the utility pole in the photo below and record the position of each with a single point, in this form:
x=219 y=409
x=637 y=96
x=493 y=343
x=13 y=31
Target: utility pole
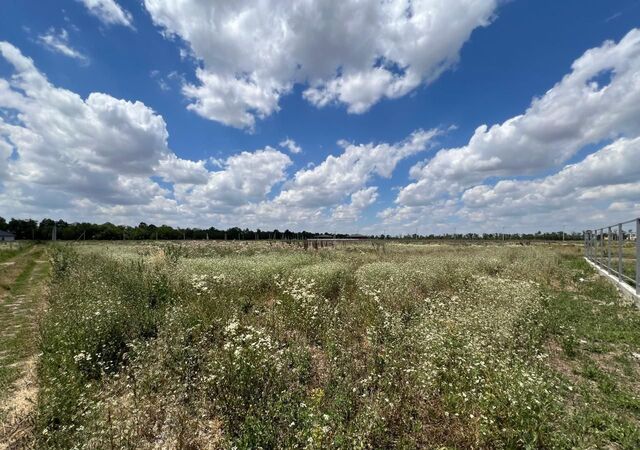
x=54 y=233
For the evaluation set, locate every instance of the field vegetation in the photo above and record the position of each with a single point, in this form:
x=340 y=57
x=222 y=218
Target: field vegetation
x=9 y=250
x=268 y=345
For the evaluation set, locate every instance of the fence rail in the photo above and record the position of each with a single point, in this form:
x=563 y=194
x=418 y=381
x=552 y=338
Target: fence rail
x=616 y=251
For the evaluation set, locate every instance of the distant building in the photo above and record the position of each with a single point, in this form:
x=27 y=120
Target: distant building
x=5 y=236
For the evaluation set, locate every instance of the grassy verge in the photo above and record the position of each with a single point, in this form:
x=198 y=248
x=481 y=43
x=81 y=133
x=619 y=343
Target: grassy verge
x=595 y=347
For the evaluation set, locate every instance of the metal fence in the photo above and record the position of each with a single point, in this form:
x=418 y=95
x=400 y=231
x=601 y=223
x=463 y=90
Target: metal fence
x=617 y=251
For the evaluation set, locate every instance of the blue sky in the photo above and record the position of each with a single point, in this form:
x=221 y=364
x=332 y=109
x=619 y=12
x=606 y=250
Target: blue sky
x=226 y=165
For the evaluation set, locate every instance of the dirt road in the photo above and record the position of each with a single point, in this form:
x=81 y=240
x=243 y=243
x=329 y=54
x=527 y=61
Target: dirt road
x=22 y=292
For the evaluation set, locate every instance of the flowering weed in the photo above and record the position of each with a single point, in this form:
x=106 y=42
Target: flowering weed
x=243 y=345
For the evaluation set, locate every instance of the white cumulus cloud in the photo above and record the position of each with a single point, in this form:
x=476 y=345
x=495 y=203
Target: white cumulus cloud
x=607 y=175
x=339 y=176
x=69 y=149
x=244 y=178
x=598 y=100
x=290 y=145
x=102 y=158
x=360 y=200
x=343 y=51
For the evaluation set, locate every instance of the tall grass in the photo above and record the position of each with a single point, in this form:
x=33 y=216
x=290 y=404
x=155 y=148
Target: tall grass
x=247 y=347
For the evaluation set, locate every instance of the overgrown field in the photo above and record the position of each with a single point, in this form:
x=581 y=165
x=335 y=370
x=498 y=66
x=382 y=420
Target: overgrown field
x=255 y=345
x=9 y=250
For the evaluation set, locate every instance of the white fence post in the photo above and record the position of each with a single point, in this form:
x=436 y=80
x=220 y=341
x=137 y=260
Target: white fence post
x=638 y=256
x=620 y=242
x=609 y=249
x=600 y=247
x=595 y=246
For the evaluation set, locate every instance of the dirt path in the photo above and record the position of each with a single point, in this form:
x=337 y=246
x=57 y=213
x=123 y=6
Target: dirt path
x=22 y=288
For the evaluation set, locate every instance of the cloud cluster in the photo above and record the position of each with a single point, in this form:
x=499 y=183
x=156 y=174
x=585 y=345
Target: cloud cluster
x=98 y=146
x=598 y=100
x=344 y=51
x=62 y=152
x=245 y=178
x=103 y=158
x=109 y=12
x=606 y=175
x=339 y=176
x=333 y=192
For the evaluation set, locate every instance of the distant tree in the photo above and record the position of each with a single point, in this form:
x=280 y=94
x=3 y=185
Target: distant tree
x=23 y=229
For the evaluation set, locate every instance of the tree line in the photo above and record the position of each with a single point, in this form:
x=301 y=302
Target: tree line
x=30 y=229
x=43 y=230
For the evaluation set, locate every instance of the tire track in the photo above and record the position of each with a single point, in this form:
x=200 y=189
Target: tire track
x=21 y=302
